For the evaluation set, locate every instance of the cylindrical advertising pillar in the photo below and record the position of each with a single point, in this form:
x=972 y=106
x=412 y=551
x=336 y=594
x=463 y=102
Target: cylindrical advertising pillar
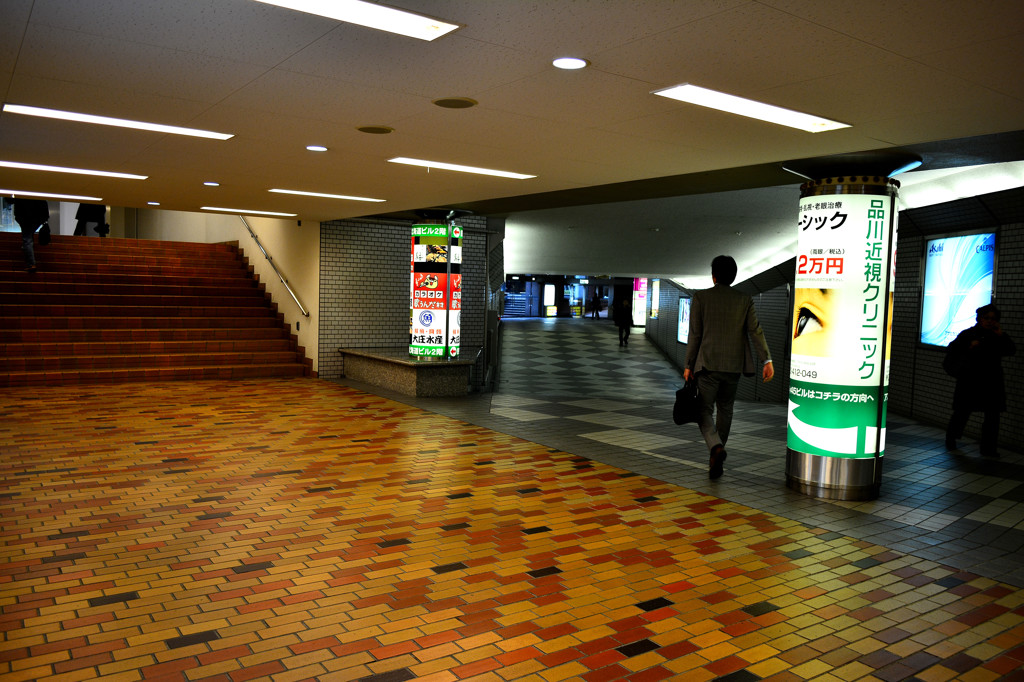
x=435 y=297
x=842 y=323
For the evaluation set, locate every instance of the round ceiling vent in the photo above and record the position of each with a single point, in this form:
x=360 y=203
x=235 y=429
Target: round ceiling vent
x=456 y=102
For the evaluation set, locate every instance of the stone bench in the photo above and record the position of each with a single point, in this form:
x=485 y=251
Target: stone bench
x=395 y=370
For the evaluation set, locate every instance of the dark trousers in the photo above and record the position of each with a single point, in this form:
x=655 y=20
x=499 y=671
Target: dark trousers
x=989 y=428
x=28 y=244
x=717 y=390
x=623 y=335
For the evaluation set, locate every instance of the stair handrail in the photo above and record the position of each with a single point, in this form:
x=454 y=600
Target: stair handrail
x=271 y=261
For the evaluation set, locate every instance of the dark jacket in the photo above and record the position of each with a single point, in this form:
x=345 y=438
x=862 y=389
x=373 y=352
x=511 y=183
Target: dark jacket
x=723 y=324
x=31 y=213
x=979 y=384
x=622 y=314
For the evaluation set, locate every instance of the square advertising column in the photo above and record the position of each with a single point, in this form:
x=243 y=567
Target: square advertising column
x=435 y=297
x=842 y=323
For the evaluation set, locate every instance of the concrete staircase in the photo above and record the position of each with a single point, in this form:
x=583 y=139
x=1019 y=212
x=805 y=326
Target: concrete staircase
x=113 y=310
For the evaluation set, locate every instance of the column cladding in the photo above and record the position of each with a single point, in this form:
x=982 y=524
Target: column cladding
x=364 y=287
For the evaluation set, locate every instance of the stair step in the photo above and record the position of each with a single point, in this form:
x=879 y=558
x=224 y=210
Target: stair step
x=49 y=287
x=154 y=310
x=142 y=347
x=60 y=378
x=136 y=322
x=10 y=279
x=191 y=270
x=91 y=362
x=58 y=242
x=115 y=310
x=40 y=337
x=155 y=298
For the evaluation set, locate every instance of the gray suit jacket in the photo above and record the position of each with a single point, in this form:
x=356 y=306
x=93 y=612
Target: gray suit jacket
x=721 y=322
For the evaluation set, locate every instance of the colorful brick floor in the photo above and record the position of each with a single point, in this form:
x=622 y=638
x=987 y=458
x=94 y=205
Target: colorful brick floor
x=299 y=529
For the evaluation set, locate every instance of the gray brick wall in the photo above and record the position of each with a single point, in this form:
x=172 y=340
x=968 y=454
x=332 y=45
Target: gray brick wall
x=917 y=385
x=364 y=287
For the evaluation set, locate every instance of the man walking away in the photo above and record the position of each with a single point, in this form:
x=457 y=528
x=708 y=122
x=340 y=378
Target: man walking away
x=30 y=214
x=721 y=322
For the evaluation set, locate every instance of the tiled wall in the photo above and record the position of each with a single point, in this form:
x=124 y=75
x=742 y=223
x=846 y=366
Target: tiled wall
x=917 y=385
x=773 y=314
x=364 y=287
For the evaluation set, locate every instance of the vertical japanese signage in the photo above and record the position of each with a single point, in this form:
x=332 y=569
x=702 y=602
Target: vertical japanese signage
x=842 y=320
x=435 y=305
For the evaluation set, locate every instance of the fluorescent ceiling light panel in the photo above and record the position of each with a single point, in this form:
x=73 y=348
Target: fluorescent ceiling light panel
x=746 y=107
x=371 y=15
x=325 y=196
x=76 y=171
x=246 y=211
x=107 y=121
x=457 y=167
x=51 y=195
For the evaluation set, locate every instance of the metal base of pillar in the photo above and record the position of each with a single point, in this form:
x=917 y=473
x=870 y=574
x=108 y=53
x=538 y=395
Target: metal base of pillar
x=833 y=478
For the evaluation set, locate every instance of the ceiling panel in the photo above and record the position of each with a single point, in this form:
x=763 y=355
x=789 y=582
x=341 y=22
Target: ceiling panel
x=916 y=75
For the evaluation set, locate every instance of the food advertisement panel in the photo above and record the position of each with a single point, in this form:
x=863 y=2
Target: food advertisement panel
x=435 y=305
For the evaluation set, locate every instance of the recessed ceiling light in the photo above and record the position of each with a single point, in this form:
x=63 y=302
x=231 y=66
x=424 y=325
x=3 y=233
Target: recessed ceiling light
x=70 y=197
x=107 y=121
x=325 y=196
x=376 y=130
x=210 y=183
x=570 y=63
x=371 y=15
x=246 y=211
x=456 y=102
x=746 y=107
x=316 y=147
x=76 y=171
x=460 y=168
x=153 y=203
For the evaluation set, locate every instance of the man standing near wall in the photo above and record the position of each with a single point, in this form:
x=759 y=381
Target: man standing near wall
x=721 y=322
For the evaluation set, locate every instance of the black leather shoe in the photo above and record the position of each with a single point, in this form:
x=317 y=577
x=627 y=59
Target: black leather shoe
x=718 y=455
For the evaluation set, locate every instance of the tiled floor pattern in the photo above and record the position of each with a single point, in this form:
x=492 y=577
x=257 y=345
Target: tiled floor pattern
x=566 y=384
x=298 y=529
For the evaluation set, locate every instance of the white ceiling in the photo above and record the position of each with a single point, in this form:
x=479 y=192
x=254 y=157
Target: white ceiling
x=908 y=75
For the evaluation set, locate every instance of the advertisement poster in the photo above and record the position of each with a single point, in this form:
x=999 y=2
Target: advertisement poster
x=958 y=276
x=435 y=305
x=640 y=302
x=839 y=377
x=655 y=297
x=683 y=328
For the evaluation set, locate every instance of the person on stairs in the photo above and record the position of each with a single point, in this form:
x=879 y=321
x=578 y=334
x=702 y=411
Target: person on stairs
x=94 y=215
x=30 y=214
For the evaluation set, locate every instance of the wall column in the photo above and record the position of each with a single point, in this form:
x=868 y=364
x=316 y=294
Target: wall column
x=842 y=324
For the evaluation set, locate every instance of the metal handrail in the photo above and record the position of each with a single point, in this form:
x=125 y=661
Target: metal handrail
x=271 y=260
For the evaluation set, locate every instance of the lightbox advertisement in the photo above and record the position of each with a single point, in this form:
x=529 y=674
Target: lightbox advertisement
x=958 y=277
x=655 y=297
x=639 y=301
x=839 y=377
x=683 y=329
x=435 y=306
